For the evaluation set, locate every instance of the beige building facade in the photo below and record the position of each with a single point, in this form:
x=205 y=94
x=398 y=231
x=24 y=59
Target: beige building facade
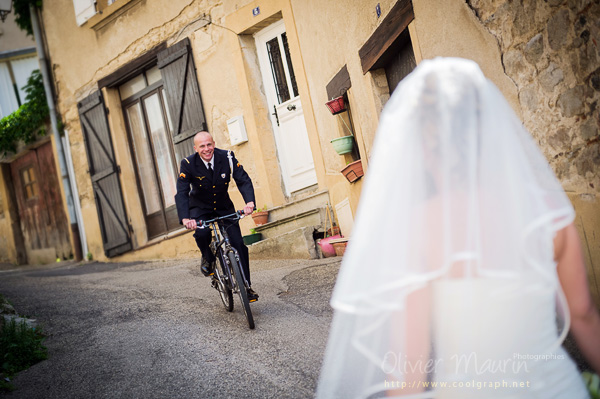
x=135 y=80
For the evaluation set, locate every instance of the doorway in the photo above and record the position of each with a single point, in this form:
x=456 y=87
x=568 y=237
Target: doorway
x=287 y=116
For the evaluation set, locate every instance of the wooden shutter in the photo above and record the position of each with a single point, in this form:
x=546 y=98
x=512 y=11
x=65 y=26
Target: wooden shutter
x=104 y=172
x=84 y=10
x=176 y=65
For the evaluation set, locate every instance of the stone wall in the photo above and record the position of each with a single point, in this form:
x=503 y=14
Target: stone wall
x=550 y=49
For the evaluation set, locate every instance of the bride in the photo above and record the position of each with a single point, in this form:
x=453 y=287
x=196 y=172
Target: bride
x=464 y=273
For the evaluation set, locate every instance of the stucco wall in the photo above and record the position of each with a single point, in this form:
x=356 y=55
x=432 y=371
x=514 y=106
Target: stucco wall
x=12 y=37
x=83 y=55
x=330 y=36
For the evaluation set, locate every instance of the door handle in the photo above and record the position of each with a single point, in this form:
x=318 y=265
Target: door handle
x=291 y=107
x=275 y=113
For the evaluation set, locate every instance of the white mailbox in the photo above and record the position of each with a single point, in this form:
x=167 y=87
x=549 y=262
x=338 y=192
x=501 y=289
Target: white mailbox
x=237 y=130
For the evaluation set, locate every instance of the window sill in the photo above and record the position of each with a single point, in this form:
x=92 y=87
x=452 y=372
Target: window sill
x=110 y=13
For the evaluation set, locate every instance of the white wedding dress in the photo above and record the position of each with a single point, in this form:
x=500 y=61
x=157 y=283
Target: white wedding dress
x=497 y=338
x=451 y=260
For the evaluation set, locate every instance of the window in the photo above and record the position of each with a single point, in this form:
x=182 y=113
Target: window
x=280 y=74
x=401 y=61
x=29 y=183
x=84 y=10
x=13 y=77
x=149 y=126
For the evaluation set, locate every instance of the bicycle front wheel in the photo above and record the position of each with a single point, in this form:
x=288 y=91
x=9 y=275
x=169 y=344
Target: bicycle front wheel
x=224 y=289
x=241 y=288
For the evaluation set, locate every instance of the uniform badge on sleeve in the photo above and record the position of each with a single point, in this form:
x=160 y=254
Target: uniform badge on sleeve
x=223 y=175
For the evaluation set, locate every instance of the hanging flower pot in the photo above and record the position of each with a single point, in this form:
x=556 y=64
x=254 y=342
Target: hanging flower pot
x=353 y=171
x=343 y=145
x=336 y=105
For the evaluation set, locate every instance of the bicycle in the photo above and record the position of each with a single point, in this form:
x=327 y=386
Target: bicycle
x=226 y=279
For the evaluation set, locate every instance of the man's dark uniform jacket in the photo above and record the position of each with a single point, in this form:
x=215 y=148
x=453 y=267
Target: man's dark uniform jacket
x=208 y=196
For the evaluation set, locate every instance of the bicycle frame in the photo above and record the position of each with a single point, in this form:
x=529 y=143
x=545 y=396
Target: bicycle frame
x=234 y=279
x=221 y=246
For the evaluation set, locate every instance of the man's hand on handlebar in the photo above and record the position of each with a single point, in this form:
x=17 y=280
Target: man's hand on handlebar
x=189 y=224
x=249 y=208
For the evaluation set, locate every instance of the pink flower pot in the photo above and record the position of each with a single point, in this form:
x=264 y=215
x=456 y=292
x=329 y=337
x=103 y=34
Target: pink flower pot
x=326 y=247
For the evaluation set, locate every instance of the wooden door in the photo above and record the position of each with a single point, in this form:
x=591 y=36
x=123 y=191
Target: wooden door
x=41 y=212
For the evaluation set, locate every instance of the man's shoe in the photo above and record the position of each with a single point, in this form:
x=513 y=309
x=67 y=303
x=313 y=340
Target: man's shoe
x=207 y=268
x=252 y=296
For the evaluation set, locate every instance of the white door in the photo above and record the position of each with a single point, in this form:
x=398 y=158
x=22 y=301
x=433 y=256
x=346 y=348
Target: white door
x=287 y=116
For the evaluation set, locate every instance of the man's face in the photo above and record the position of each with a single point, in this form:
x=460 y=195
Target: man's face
x=204 y=146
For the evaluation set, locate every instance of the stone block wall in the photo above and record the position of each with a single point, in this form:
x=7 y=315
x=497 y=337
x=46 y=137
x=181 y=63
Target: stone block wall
x=551 y=50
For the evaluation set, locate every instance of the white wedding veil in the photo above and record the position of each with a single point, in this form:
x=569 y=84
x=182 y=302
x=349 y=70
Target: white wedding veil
x=456 y=191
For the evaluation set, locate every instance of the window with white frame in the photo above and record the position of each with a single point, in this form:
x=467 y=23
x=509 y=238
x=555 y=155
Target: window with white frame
x=14 y=74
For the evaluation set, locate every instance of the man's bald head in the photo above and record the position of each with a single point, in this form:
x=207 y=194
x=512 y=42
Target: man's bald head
x=204 y=145
x=202 y=135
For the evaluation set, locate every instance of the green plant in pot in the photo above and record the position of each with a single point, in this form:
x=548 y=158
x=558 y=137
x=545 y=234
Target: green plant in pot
x=253 y=237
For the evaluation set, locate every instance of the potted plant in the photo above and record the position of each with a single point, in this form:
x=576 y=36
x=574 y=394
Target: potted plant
x=353 y=171
x=252 y=237
x=260 y=216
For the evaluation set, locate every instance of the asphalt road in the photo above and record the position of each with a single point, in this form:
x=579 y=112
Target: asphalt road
x=157 y=330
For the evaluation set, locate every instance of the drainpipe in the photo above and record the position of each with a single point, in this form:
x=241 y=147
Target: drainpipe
x=35 y=24
x=71 y=170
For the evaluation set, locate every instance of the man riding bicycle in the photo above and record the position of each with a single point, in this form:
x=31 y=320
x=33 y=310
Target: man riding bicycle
x=202 y=194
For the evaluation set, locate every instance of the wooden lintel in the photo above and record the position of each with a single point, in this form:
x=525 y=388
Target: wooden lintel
x=386 y=33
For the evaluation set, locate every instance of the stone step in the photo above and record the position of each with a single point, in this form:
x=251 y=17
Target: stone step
x=311 y=218
x=295 y=244
x=299 y=206
x=289 y=232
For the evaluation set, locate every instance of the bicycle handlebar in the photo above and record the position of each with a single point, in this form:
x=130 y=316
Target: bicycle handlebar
x=201 y=224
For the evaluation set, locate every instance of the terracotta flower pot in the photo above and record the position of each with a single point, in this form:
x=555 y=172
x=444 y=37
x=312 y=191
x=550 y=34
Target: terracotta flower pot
x=260 y=218
x=353 y=171
x=340 y=248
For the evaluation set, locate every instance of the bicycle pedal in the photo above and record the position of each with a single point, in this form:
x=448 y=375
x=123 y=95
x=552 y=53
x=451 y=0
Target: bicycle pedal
x=252 y=300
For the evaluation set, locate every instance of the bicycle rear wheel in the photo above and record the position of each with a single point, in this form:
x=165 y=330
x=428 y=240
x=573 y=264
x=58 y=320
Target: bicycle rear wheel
x=224 y=289
x=241 y=288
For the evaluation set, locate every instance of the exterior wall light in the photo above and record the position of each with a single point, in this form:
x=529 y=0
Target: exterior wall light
x=5 y=8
